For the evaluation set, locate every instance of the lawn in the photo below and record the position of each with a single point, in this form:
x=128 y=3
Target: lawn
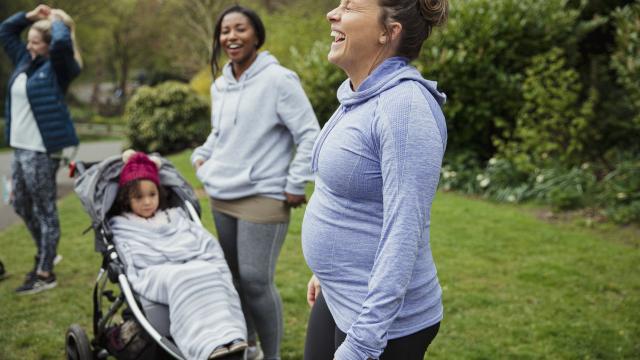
x=514 y=286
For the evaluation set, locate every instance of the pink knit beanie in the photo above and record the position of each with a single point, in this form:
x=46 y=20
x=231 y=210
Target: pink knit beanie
x=138 y=166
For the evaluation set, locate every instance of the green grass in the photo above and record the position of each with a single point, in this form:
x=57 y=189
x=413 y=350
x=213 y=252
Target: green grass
x=514 y=287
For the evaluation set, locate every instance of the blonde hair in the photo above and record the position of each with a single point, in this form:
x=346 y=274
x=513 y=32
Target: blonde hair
x=44 y=27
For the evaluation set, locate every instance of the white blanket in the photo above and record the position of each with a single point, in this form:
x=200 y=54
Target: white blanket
x=172 y=260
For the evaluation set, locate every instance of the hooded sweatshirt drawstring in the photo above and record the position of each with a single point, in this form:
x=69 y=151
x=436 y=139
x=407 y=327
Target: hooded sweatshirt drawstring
x=263 y=61
x=219 y=117
x=235 y=113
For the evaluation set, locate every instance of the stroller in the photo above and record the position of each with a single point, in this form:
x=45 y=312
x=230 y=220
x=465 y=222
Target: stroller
x=120 y=311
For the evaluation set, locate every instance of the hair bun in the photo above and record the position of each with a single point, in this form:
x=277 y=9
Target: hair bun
x=435 y=12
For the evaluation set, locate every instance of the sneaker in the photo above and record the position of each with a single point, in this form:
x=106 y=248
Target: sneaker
x=237 y=346
x=37 y=284
x=219 y=352
x=31 y=274
x=254 y=352
x=233 y=347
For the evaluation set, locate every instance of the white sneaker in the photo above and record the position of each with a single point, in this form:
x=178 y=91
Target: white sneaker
x=254 y=353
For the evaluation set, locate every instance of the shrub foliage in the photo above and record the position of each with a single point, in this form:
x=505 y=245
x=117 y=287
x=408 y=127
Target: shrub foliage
x=167 y=118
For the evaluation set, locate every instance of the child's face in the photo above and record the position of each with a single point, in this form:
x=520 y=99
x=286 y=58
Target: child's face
x=144 y=202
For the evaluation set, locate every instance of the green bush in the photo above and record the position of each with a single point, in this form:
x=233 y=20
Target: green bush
x=201 y=82
x=479 y=59
x=565 y=189
x=320 y=79
x=621 y=192
x=460 y=172
x=502 y=181
x=626 y=58
x=554 y=124
x=167 y=118
x=616 y=194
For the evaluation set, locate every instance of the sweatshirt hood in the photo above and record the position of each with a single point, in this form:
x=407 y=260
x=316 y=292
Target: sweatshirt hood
x=390 y=73
x=262 y=61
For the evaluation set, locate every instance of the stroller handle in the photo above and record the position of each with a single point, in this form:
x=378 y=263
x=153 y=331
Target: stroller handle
x=77 y=168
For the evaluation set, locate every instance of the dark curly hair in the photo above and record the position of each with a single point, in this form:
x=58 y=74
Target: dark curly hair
x=122 y=203
x=256 y=23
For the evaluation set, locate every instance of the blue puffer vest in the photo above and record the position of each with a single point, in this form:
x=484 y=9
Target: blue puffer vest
x=47 y=83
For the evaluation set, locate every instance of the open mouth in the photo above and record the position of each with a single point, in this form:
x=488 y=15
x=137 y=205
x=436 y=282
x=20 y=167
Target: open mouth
x=234 y=46
x=338 y=36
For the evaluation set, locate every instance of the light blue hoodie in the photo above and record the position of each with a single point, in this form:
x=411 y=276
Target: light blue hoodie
x=365 y=233
x=256 y=122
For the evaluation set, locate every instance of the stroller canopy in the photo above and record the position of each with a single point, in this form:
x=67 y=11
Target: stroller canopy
x=97 y=188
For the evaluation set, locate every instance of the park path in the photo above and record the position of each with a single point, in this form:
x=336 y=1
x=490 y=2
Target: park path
x=90 y=151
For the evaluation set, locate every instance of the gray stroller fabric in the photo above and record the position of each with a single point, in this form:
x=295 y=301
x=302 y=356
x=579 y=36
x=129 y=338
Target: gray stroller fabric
x=97 y=188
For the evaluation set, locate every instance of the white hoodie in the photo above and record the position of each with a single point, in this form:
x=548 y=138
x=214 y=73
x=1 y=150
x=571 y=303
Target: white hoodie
x=256 y=121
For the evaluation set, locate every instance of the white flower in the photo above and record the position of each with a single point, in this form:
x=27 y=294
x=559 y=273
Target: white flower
x=445 y=174
x=584 y=166
x=485 y=182
x=479 y=177
x=539 y=178
x=621 y=196
x=493 y=161
x=453 y=174
x=511 y=198
x=544 y=156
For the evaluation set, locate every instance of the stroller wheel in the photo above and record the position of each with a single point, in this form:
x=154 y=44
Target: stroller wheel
x=77 y=344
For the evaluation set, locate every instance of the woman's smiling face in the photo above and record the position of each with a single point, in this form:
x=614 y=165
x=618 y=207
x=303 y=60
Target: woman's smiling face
x=36 y=44
x=357 y=30
x=238 y=38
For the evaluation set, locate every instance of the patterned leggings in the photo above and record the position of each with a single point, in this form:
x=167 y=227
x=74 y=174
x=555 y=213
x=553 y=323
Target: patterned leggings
x=34 y=199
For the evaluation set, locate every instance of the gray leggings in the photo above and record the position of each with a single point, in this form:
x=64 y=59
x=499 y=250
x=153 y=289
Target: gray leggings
x=252 y=251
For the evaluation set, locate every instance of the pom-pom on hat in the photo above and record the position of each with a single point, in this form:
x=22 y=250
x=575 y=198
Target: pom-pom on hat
x=137 y=166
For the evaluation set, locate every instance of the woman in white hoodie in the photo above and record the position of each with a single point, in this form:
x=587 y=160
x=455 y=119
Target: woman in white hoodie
x=254 y=164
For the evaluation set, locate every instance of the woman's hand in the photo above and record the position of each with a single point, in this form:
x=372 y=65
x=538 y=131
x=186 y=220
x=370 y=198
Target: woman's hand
x=198 y=163
x=56 y=14
x=313 y=290
x=41 y=12
x=295 y=200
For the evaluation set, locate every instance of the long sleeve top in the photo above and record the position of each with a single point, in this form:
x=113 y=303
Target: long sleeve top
x=263 y=132
x=365 y=233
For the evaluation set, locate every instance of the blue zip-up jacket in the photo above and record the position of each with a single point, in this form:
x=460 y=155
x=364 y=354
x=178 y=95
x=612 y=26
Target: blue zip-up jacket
x=47 y=81
x=365 y=233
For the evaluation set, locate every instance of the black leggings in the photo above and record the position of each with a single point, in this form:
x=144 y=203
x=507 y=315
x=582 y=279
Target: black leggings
x=324 y=338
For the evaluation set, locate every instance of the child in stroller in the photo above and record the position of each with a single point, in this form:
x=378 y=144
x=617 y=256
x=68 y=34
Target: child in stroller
x=172 y=260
